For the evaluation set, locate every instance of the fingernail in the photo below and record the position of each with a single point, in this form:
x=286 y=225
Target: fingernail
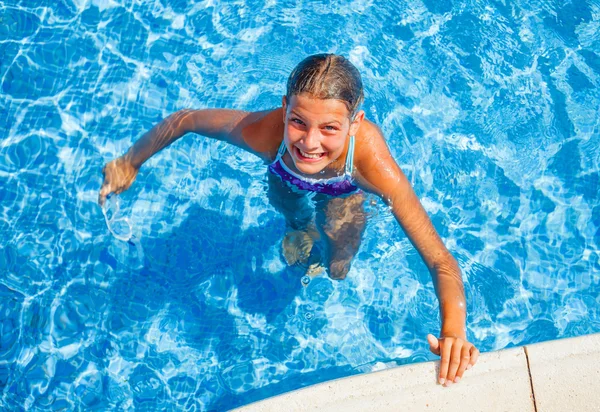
x=457 y=379
x=442 y=380
x=448 y=383
x=469 y=366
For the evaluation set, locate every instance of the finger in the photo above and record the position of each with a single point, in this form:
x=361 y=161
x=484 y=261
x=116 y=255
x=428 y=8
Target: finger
x=474 y=357
x=446 y=347
x=465 y=358
x=434 y=344
x=105 y=190
x=454 y=360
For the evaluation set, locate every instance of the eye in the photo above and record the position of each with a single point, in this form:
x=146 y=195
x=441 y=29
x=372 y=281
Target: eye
x=331 y=128
x=296 y=120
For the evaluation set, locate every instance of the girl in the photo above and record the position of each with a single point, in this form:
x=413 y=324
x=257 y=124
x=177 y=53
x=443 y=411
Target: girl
x=320 y=148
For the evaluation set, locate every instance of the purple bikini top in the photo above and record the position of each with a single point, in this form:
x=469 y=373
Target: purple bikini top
x=335 y=186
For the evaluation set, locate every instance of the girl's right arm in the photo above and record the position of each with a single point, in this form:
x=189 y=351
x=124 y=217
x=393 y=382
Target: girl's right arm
x=219 y=124
x=379 y=173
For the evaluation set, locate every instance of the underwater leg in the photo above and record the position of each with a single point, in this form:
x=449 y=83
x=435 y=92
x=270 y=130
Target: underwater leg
x=342 y=221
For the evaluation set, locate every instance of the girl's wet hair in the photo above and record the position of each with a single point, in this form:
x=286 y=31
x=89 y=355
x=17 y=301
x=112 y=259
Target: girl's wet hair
x=327 y=76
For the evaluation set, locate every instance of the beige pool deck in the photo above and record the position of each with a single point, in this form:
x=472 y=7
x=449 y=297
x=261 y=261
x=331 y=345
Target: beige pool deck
x=560 y=375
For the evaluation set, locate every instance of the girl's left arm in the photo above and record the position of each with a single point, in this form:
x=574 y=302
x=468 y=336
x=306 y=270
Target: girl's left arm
x=380 y=174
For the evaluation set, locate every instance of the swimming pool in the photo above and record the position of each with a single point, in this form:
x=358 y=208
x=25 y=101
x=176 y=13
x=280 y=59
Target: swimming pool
x=490 y=107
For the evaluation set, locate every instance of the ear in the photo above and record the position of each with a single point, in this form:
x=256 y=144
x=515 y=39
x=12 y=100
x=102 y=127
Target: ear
x=284 y=106
x=355 y=125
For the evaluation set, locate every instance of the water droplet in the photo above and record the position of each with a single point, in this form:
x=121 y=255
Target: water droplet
x=305 y=280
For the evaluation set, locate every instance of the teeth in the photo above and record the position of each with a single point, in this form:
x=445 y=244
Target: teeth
x=310 y=155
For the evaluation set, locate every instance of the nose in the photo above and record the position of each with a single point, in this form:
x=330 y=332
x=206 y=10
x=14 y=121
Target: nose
x=312 y=139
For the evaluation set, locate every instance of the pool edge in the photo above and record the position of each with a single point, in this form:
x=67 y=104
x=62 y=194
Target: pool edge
x=549 y=376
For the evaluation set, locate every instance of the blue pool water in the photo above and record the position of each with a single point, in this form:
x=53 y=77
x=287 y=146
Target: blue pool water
x=490 y=107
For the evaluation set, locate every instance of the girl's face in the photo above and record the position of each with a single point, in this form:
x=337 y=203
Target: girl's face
x=316 y=130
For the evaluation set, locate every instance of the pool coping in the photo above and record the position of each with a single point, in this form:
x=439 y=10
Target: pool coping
x=550 y=376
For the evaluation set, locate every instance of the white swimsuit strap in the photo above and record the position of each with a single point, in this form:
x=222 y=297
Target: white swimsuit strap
x=281 y=150
x=350 y=157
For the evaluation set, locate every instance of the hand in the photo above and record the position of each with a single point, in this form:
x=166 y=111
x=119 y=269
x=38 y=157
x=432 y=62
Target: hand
x=118 y=177
x=457 y=356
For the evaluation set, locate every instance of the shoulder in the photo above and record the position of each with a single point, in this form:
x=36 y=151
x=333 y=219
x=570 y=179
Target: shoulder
x=377 y=169
x=263 y=131
x=371 y=147
x=369 y=133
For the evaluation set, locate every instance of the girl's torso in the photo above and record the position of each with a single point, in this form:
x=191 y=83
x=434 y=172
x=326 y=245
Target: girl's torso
x=338 y=185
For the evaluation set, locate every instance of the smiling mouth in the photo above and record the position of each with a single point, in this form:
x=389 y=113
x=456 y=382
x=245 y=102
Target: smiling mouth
x=312 y=156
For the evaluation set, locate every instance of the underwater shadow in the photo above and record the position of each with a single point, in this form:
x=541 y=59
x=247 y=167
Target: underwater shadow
x=209 y=244
x=195 y=280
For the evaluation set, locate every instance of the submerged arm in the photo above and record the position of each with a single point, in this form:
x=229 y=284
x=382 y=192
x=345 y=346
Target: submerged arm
x=219 y=124
x=215 y=123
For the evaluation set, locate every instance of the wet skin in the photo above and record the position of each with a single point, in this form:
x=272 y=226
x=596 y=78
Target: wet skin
x=316 y=134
